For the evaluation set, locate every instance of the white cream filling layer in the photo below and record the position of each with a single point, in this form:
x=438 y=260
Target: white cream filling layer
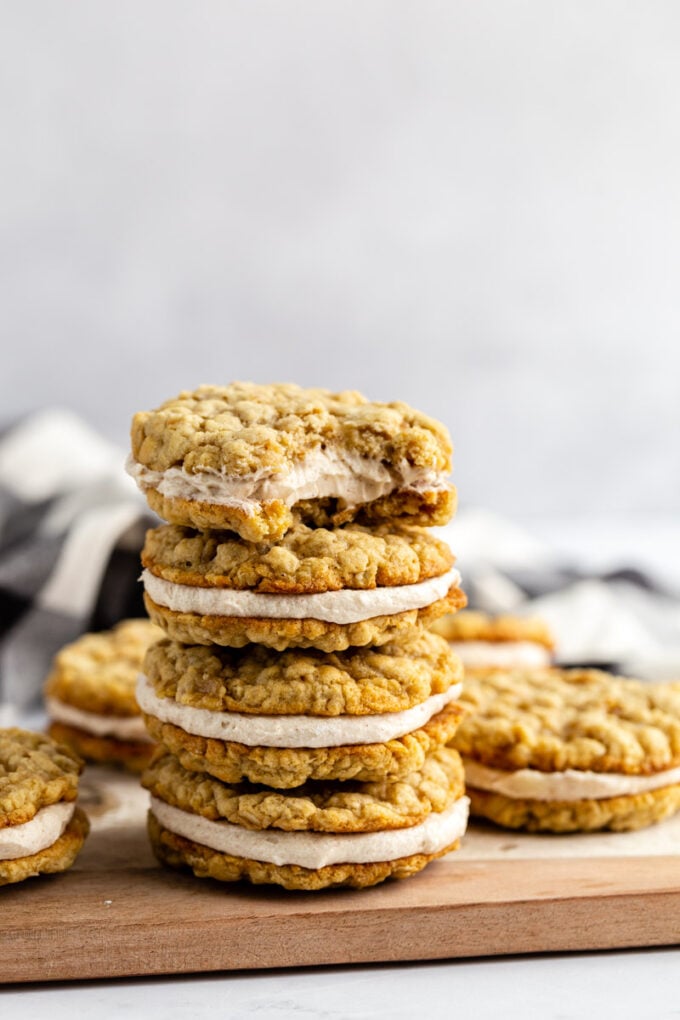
x=292 y=730
x=330 y=473
x=130 y=728
x=571 y=784
x=344 y=606
x=317 y=849
x=44 y=829
x=502 y=653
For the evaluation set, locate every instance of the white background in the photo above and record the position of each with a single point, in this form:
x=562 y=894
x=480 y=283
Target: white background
x=472 y=206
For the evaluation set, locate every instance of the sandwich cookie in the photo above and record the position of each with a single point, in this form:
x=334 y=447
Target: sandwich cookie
x=326 y=588
x=497 y=642
x=282 y=718
x=570 y=750
x=319 y=835
x=41 y=829
x=90 y=695
x=249 y=458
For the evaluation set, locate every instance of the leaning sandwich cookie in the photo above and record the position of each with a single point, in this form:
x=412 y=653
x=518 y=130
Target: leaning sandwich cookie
x=326 y=588
x=41 y=828
x=283 y=718
x=313 y=837
x=570 y=750
x=250 y=458
x=497 y=642
x=90 y=695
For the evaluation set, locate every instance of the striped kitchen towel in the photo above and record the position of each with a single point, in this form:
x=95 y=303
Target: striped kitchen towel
x=71 y=528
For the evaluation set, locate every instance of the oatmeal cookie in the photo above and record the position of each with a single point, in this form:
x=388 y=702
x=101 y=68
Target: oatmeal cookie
x=472 y=625
x=57 y=857
x=134 y=755
x=305 y=561
x=41 y=829
x=280 y=633
x=255 y=679
x=35 y=772
x=314 y=806
x=505 y=642
x=251 y=458
x=570 y=750
x=619 y=814
x=316 y=835
x=181 y=853
x=286 y=767
x=553 y=720
x=90 y=695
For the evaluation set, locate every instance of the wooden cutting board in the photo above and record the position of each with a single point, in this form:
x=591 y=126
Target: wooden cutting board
x=117 y=913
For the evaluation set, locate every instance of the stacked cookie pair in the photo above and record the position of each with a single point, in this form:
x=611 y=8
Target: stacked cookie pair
x=301 y=705
x=570 y=750
x=42 y=830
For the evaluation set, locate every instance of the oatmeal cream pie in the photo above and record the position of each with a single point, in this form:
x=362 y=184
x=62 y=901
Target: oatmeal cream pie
x=282 y=718
x=570 y=750
x=41 y=829
x=326 y=588
x=490 y=642
x=90 y=695
x=247 y=458
x=316 y=836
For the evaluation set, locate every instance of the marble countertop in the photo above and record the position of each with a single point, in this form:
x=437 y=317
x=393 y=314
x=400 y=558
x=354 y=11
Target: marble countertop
x=628 y=985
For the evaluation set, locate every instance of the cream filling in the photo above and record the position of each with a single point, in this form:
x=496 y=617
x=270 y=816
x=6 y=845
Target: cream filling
x=571 y=784
x=292 y=730
x=502 y=653
x=44 y=829
x=317 y=849
x=321 y=474
x=129 y=728
x=344 y=606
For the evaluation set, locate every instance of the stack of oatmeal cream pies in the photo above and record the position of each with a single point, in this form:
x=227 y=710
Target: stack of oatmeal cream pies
x=301 y=704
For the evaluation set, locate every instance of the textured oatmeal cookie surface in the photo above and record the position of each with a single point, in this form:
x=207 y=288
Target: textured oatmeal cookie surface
x=98 y=672
x=243 y=428
x=553 y=720
x=314 y=807
x=256 y=679
x=306 y=560
x=34 y=773
x=283 y=768
x=250 y=431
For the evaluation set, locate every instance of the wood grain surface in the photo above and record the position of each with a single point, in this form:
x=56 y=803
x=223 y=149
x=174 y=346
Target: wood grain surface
x=117 y=913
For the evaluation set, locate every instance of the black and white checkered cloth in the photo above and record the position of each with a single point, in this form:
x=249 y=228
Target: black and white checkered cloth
x=71 y=527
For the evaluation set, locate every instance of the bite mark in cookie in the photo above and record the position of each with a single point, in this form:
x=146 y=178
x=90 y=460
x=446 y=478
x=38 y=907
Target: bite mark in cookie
x=244 y=456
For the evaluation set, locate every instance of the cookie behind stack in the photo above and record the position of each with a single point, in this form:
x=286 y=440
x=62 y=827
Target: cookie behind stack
x=497 y=642
x=90 y=695
x=301 y=706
